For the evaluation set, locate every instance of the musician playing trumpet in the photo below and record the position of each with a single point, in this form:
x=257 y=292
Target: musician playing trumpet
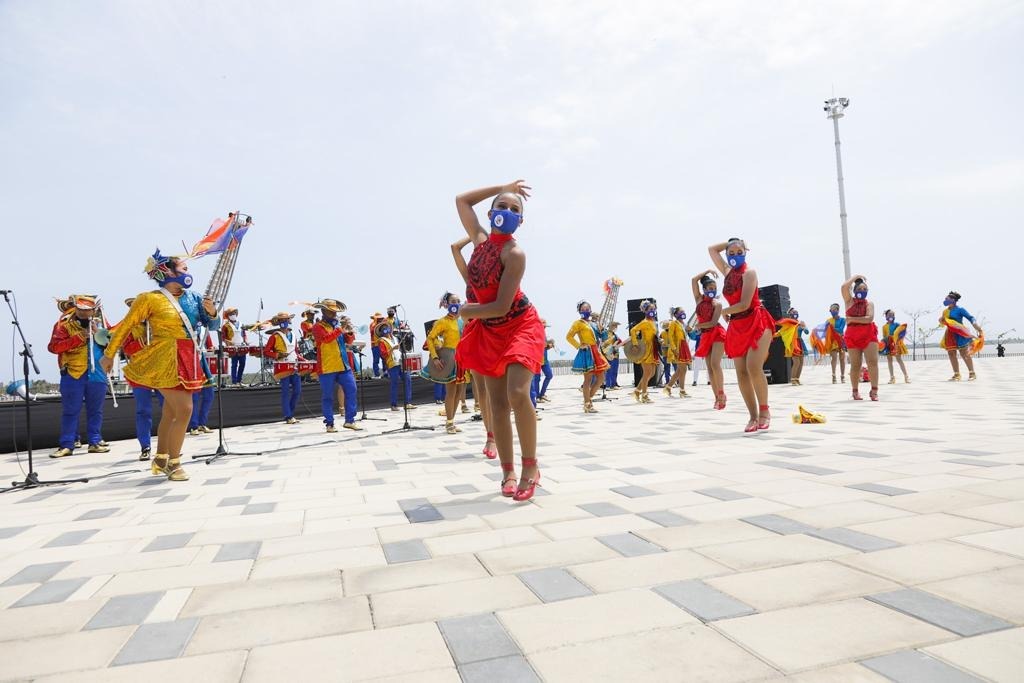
x=74 y=341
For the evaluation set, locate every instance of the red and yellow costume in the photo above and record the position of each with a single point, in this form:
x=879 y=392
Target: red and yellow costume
x=171 y=359
x=957 y=336
x=859 y=335
x=677 y=344
x=490 y=345
x=789 y=333
x=892 y=339
x=278 y=347
x=746 y=327
x=647 y=332
x=583 y=337
x=712 y=335
x=445 y=334
x=70 y=341
x=329 y=357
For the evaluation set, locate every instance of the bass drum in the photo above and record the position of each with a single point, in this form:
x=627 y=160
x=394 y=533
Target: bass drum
x=307 y=348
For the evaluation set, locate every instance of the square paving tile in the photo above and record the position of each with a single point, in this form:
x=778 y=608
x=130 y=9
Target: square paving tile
x=633 y=491
x=880 y=488
x=475 y=638
x=36 y=573
x=98 y=514
x=553 y=584
x=405 y=551
x=72 y=538
x=703 y=601
x=917 y=667
x=930 y=608
x=722 y=494
x=242 y=550
x=165 y=640
x=234 y=500
x=603 y=509
x=779 y=524
x=125 y=610
x=51 y=591
x=169 y=542
x=854 y=539
x=259 y=508
x=629 y=545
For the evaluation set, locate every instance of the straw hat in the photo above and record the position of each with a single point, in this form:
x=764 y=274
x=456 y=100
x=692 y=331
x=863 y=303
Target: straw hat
x=331 y=305
x=229 y=311
x=281 y=317
x=85 y=302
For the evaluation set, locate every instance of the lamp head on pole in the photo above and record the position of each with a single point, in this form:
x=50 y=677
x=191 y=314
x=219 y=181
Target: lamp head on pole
x=835 y=107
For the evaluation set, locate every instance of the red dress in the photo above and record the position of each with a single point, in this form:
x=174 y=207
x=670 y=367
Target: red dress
x=746 y=327
x=712 y=335
x=490 y=345
x=859 y=335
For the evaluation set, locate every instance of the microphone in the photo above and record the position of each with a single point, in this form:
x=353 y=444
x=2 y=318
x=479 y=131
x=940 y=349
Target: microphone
x=396 y=306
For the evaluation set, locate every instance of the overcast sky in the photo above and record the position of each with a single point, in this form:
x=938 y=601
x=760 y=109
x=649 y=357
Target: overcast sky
x=647 y=129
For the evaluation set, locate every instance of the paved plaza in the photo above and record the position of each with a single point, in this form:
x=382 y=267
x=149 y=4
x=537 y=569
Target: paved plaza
x=665 y=545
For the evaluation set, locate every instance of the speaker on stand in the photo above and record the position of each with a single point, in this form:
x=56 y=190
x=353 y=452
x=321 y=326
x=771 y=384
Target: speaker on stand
x=775 y=298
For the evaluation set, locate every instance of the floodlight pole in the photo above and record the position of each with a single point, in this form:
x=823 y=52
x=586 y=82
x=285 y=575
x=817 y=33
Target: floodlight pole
x=834 y=108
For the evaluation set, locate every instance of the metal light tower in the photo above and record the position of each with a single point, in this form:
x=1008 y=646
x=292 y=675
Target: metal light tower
x=834 y=108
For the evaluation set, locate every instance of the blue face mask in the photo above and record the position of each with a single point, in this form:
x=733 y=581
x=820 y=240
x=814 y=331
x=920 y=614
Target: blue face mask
x=585 y=315
x=948 y=302
x=835 y=314
x=653 y=313
x=383 y=331
x=736 y=260
x=284 y=324
x=890 y=318
x=505 y=220
x=454 y=308
x=794 y=314
x=711 y=293
x=185 y=280
x=862 y=294
x=681 y=315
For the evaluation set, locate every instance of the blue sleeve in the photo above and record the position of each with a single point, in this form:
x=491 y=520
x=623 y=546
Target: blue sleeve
x=211 y=323
x=964 y=314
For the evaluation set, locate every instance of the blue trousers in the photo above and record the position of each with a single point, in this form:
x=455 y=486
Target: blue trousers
x=202 y=401
x=611 y=378
x=73 y=393
x=535 y=389
x=397 y=375
x=548 y=374
x=328 y=387
x=144 y=413
x=237 y=369
x=439 y=391
x=376 y=361
x=668 y=370
x=291 y=389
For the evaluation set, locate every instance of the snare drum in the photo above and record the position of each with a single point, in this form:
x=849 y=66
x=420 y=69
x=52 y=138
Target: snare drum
x=284 y=368
x=306 y=367
x=214 y=364
x=253 y=350
x=414 y=363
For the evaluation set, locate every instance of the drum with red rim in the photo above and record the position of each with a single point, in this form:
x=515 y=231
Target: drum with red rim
x=306 y=367
x=284 y=368
x=414 y=363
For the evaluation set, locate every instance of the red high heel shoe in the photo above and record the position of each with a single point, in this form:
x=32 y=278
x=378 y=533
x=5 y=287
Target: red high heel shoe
x=527 y=493
x=856 y=396
x=720 y=401
x=492 y=452
x=751 y=427
x=508 y=482
x=767 y=417
x=873 y=394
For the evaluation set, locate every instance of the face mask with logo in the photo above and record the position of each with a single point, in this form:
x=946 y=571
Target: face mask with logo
x=284 y=324
x=861 y=294
x=711 y=293
x=652 y=313
x=184 y=279
x=736 y=260
x=891 y=318
x=585 y=315
x=680 y=315
x=505 y=220
x=454 y=308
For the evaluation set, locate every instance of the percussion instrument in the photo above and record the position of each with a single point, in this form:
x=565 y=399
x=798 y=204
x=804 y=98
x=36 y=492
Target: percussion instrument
x=634 y=352
x=414 y=363
x=306 y=367
x=307 y=347
x=358 y=346
x=282 y=368
x=214 y=363
x=446 y=373
x=238 y=350
x=254 y=351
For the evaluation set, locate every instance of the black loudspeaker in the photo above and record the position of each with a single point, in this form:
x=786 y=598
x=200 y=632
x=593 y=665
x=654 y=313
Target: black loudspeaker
x=775 y=298
x=633 y=316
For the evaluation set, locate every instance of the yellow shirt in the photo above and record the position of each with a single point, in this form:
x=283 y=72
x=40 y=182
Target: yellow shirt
x=674 y=336
x=646 y=331
x=443 y=334
x=156 y=364
x=583 y=331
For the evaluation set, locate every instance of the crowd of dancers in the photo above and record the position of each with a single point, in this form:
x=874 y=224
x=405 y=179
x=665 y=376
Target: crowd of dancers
x=495 y=341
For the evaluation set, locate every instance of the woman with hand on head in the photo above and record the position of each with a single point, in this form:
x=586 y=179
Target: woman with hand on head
x=861 y=334
x=750 y=328
x=893 y=346
x=503 y=339
x=646 y=331
x=711 y=346
x=583 y=335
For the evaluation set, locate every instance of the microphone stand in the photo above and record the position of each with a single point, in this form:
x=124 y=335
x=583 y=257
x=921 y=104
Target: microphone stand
x=32 y=479
x=362 y=403
x=406 y=427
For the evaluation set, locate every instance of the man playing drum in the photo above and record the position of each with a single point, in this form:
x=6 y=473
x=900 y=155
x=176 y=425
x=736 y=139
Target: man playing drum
x=281 y=349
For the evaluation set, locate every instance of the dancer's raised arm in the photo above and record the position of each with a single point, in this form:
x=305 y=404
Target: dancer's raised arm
x=465 y=202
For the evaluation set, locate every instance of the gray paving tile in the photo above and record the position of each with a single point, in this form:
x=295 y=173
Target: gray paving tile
x=42 y=495
x=266 y=484
x=505 y=669
x=629 y=545
x=554 y=584
x=703 y=601
x=779 y=524
x=172 y=499
x=420 y=510
x=912 y=666
x=496 y=476
x=214 y=482
x=153 y=493
x=603 y=509
x=864 y=454
x=258 y=508
x=977 y=463
x=234 y=500
x=592 y=467
x=168 y=542
x=124 y=610
x=72 y=538
x=581 y=455
x=35 y=573
x=243 y=550
x=405 y=551
x=268 y=468
x=383 y=465
x=789 y=454
x=722 y=494
x=456 y=489
x=51 y=591
x=648 y=440
x=97 y=514
x=797 y=467
x=966 y=451
x=881 y=488
x=476 y=638
x=666 y=518
x=854 y=539
x=938 y=612
x=371 y=482
x=12 y=531
x=636 y=470
x=150 y=642
x=634 y=491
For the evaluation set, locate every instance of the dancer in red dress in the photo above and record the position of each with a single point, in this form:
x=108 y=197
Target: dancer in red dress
x=861 y=334
x=504 y=338
x=711 y=345
x=750 y=328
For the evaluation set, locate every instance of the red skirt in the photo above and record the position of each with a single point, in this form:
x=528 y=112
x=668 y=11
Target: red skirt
x=683 y=354
x=861 y=335
x=490 y=349
x=745 y=333
x=709 y=338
